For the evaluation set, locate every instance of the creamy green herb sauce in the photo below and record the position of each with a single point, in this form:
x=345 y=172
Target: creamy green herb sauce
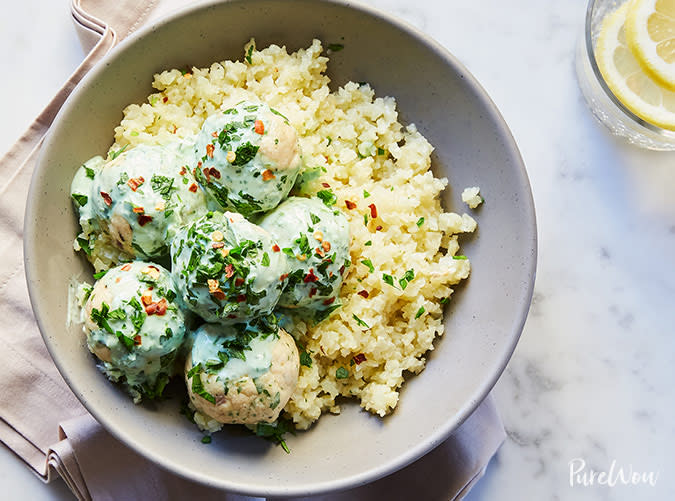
x=248 y=157
x=226 y=268
x=315 y=241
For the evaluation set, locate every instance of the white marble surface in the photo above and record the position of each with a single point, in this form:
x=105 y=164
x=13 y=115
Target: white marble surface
x=592 y=377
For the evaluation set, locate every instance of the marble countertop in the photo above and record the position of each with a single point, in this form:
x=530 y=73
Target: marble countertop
x=590 y=386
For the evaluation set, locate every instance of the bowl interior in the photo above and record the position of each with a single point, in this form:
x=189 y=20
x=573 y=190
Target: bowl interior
x=473 y=147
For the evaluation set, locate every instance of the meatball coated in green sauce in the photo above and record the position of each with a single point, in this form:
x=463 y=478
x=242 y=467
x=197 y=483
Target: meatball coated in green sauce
x=241 y=374
x=248 y=158
x=315 y=241
x=135 y=327
x=226 y=268
x=141 y=197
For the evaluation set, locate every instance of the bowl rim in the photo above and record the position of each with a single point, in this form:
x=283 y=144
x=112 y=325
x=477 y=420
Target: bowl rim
x=435 y=438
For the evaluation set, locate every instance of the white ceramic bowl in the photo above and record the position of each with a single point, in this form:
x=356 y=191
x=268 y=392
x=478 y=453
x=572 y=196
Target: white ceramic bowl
x=473 y=147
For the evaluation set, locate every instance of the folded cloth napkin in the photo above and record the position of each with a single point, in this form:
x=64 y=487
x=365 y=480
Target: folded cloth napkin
x=47 y=427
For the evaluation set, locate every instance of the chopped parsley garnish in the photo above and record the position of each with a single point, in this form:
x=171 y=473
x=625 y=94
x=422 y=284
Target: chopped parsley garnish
x=388 y=279
x=118 y=314
x=249 y=52
x=369 y=264
x=360 y=322
x=124 y=177
x=89 y=172
x=341 y=373
x=80 y=199
x=206 y=439
x=368 y=243
x=198 y=389
x=330 y=140
x=265 y=259
x=245 y=153
x=134 y=133
x=279 y=113
x=115 y=154
x=459 y=257
x=420 y=312
x=162 y=185
x=407 y=277
x=100 y=274
x=274 y=432
x=420 y=222
x=444 y=300
x=380 y=151
x=327 y=196
x=288 y=251
x=335 y=47
x=365 y=194
x=365 y=219
x=315 y=218
x=84 y=245
x=305 y=359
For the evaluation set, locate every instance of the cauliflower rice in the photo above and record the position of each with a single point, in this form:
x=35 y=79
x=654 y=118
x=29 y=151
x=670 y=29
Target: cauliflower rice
x=404 y=246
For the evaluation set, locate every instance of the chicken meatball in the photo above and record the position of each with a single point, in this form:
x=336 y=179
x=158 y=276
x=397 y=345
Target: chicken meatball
x=138 y=199
x=134 y=327
x=248 y=158
x=241 y=374
x=315 y=241
x=227 y=269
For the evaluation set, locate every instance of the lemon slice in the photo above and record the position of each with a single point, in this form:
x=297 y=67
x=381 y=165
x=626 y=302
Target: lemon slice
x=626 y=78
x=650 y=31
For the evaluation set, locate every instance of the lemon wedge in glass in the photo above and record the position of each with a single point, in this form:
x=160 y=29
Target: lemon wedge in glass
x=625 y=76
x=650 y=31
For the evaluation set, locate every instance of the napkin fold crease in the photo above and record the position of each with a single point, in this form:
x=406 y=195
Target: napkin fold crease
x=45 y=425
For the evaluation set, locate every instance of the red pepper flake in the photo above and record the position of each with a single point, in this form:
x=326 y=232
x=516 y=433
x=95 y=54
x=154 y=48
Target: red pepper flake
x=217 y=245
x=325 y=185
x=231 y=316
x=146 y=298
x=106 y=198
x=342 y=270
x=161 y=307
x=183 y=171
x=259 y=127
x=151 y=309
x=350 y=205
x=359 y=359
x=378 y=228
x=209 y=150
x=175 y=129
x=312 y=291
x=267 y=175
x=126 y=267
x=229 y=271
x=275 y=248
x=214 y=172
x=310 y=277
x=193 y=188
x=144 y=219
x=238 y=282
x=218 y=294
x=283 y=277
x=363 y=293
x=135 y=182
x=207 y=173
x=165 y=99
x=214 y=133
x=199 y=164
x=241 y=298
x=373 y=211
x=329 y=301
x=138 y=210
x=137 y=339
x=320 y=252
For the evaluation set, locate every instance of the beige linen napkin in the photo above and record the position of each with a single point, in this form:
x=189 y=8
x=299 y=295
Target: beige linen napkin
x=43 y=422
